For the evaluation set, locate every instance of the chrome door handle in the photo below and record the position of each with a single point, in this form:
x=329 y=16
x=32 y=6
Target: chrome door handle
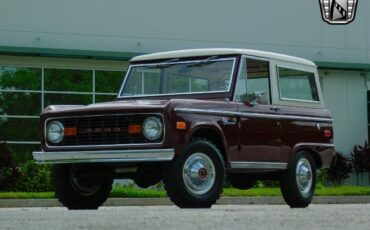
x=229 y=121
x=275 y=108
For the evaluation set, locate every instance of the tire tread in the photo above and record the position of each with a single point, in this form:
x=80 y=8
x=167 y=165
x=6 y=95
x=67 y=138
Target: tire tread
x=72 y=200
x=288 y=185
x=171 y=183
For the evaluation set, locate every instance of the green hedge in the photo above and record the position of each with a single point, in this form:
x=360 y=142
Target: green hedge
x=34 y=177
x=28 y=177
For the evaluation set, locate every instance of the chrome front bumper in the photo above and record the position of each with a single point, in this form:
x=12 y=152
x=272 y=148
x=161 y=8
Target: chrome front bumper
x=146 y=155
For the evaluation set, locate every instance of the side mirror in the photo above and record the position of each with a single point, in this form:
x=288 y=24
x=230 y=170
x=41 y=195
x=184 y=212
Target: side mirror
x=257 y=98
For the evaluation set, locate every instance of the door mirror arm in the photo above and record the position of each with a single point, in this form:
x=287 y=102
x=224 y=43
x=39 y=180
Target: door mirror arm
x=251 y=103
x=257 y=97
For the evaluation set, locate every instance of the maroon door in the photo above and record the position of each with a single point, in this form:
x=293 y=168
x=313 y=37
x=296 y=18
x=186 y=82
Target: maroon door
x=259 y=127
x=259 y=133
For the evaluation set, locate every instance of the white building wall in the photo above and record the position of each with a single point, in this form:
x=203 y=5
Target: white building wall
x=286 y=26
x=345 y=95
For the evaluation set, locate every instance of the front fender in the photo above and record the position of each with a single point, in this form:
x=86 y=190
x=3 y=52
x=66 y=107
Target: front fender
x=200 y=125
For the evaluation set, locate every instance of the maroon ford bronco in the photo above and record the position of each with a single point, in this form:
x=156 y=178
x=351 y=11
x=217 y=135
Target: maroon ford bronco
x=192 y=119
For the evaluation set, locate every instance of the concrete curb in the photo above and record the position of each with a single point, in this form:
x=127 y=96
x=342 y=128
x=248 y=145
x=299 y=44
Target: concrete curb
x=18 y=203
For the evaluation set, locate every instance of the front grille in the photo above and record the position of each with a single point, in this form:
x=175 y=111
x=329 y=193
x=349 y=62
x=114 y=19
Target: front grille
x=104 y=130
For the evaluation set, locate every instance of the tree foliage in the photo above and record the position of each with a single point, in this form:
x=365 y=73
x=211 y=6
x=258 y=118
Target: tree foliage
x=9 y=174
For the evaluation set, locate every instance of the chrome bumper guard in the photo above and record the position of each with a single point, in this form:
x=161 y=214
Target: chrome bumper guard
x=146 y=155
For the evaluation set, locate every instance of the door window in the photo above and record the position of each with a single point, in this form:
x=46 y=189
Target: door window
x=253 y=83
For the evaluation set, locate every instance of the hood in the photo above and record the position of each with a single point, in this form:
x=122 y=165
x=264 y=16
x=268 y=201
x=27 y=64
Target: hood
x=130 y=105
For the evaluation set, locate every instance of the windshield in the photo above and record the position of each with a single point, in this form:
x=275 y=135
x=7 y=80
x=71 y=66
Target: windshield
x=200 y=76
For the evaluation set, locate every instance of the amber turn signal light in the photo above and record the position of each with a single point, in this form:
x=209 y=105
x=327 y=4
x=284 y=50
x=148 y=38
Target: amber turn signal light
x=134 y=129
x=180 y=125
x=70 y=131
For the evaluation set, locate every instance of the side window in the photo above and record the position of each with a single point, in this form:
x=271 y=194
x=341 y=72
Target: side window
x=254 y=82
x=297 y=85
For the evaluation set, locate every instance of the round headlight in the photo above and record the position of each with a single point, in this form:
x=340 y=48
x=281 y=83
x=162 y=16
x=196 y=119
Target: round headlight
x=152 y=128
x=55 y=132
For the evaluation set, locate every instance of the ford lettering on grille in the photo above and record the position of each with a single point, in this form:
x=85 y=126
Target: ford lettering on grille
x=103 y=130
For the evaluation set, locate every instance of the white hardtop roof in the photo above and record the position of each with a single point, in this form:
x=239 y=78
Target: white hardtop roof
x=221 y=51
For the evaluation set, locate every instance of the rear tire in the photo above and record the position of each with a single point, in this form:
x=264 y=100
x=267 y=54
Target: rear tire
x=196 y=178
x=81 y=186
x=298 y=182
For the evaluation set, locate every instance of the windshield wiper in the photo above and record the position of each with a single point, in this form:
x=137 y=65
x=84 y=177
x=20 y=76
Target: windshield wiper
x=165 y=64
x=203 y=62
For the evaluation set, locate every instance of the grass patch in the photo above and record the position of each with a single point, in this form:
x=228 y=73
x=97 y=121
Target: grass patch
x=27 y=195
x=320 y=191
x=132 y=192
x=343 y=191
x=233 y=192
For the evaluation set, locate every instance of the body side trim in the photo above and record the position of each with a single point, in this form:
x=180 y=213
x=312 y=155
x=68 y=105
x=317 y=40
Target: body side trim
x=329 y=145
x=258 y=165
x=258 y=115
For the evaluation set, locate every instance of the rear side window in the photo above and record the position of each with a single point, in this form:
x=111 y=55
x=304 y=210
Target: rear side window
x=297 y=85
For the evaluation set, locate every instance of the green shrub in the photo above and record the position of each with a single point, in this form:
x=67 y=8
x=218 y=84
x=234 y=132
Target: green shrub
x=34 y=177
x=339 y=170
x=9 y=174
x=361 y=160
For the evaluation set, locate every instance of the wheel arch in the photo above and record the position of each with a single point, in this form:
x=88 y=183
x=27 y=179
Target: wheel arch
x=315 y=155
x=212 y=133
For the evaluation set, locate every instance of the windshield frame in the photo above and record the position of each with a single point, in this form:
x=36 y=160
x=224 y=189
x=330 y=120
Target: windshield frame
x=197 y=60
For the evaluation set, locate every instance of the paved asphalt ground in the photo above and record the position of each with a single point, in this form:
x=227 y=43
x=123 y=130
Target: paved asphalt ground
x=348 y=216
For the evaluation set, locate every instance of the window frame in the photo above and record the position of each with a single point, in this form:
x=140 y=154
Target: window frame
x=245 y=58
x=292 y=99
x=233 y=59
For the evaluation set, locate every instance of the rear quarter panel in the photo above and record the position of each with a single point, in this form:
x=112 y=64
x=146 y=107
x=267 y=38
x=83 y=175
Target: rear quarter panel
x=298 y=134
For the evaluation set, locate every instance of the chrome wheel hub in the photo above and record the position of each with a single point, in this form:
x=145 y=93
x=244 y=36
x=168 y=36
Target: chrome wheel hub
x=199 y=173
x=304 y=177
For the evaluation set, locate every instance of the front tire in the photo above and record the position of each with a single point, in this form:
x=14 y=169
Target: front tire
x=196 y=178
x=81 y=186
x=298 y=182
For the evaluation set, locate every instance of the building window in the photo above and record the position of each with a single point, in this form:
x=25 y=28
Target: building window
x=107 y=85
x=68 y=80
x=25 y=92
